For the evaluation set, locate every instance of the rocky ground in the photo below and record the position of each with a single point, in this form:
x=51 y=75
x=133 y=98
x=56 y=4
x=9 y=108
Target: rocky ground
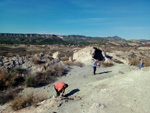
x=121 y=88
x=117 y=89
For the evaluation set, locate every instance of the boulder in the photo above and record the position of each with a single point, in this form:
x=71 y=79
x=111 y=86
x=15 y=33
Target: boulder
x=71 y=59
x=56 y=55
x=87 y=54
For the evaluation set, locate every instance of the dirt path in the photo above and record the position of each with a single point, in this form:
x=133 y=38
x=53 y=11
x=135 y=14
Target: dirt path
x=117 y=89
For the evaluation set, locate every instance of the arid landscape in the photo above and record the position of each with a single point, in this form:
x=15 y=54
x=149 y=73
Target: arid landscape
x=28 y=73
x=74 y=56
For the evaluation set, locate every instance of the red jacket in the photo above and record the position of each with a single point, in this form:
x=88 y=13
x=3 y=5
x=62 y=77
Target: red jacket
x=60 y=86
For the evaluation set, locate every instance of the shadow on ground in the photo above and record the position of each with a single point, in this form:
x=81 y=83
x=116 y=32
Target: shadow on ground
x=72 y=92
x=104 y=72
x=40 y=85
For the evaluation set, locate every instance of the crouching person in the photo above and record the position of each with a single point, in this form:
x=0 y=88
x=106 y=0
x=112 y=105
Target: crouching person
x=60 y=88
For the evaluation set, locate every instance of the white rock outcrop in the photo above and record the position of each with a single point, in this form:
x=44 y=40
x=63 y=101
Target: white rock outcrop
x=85 y=55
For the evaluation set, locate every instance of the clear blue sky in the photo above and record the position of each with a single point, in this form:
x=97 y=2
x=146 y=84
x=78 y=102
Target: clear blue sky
x=129 y=19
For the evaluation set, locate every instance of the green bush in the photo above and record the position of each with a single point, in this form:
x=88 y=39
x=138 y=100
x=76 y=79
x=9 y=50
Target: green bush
x=30 y=81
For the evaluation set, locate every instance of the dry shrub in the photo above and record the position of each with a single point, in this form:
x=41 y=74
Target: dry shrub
x=56 y=71
x=117 y=61
x=134 y=61
x=49 y=76
x=19 y=70
x=146 y=62
x=17 y=80
x=69 y=63
x=65 y=58
x=59 y=69
x=5 y=97
x=37 y=61
x=132 y=55
x=107 y=64
x=79 y=64
x=11 y=79
x=21 y=102
x=4 y=78
x=44 y=78
x=8 y=95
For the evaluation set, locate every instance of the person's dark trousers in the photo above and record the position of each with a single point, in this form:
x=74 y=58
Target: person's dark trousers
x=94 y=70
x=57 y=92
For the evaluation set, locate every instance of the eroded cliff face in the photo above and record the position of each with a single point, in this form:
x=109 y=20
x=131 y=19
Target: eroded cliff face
x=38 y=62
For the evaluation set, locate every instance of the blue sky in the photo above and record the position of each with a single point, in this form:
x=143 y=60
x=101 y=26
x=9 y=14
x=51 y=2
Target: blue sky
x=129 y=19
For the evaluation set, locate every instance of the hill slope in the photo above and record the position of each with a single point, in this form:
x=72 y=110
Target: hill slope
x=117 y=89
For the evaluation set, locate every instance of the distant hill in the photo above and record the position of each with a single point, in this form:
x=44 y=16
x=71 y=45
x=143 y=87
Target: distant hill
x=10 y=38
x=115 y=38
x=17 y=38
x=75 y=37
x=81 y=37
x=64 y=37
x=51 y=36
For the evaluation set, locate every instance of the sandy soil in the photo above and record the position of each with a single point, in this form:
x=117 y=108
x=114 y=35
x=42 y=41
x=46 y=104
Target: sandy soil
x=117 y=89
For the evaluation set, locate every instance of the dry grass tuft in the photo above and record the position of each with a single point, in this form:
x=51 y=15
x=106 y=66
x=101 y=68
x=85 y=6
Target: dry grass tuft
x=107 y=64
x=65 y=58
x=21 y=102
x=146 y=62
x=134 y=61
x=49 y=76
x=78 y=64
x=37 y=61
x=117 y=61
x=68 y=63
x=8 y=95
x=10 y=79
x=4 y=79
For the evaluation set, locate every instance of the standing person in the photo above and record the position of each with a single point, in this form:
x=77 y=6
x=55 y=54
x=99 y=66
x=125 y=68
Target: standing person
x=60 y=88
x=94 y=66
x=141 y=63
